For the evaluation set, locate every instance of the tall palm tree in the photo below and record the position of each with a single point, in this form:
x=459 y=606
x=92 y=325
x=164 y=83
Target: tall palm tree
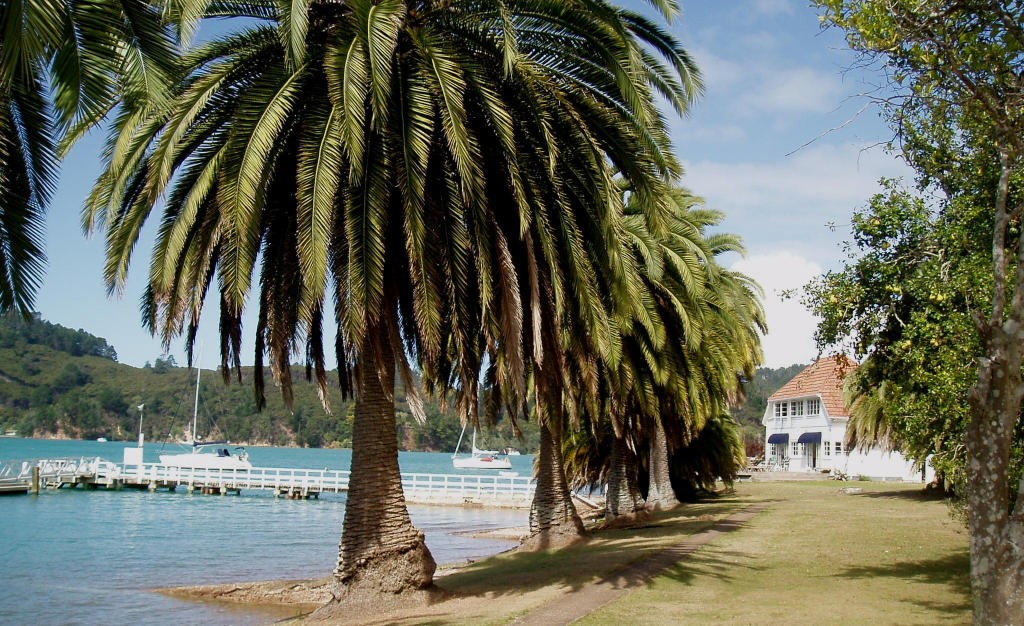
x=727 y=351
x=683 y=351
x=337 y=150
x=63 y=67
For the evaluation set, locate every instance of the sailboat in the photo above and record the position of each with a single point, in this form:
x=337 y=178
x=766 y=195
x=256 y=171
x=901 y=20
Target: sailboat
x=479 y=459
x=207 y=454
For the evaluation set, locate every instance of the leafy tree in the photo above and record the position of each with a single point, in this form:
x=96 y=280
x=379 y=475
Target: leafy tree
x=69 y=378
x=957 y=100
x=904 y=302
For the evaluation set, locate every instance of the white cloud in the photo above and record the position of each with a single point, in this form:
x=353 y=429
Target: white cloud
x=761 y=41
x=721 y=133
x=773 y=7
x=790 y=326
x=793 y=91
x=801 y=203
x=717 y=72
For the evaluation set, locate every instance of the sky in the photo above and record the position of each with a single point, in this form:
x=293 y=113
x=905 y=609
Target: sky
x=780 y=142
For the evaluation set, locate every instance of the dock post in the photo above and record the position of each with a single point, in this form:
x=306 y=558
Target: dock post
x=35 y=480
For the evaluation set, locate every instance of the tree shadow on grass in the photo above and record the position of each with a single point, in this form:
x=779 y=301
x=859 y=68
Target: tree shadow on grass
x=617 y=558
x=952 y=572
x=913 y=495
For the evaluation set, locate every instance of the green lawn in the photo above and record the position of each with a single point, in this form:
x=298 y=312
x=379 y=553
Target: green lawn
x=815 y=556
x=889 y=555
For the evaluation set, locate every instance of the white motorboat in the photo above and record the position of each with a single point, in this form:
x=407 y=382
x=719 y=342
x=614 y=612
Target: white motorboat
x=206 y=454
x=479 y=459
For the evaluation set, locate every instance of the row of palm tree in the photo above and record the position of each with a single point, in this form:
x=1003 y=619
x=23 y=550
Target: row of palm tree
x=441 y=179
x=664 y=403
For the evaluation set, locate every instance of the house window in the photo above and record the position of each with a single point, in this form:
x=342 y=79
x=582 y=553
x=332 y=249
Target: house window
x=839 y=448
x=828 y=448
x=795 y=450
x=781 y=409
x=814 y=407
x=796 y=407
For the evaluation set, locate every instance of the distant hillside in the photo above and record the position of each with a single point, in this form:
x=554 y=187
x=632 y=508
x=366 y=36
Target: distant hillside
x=59 y=382
x=766 y=382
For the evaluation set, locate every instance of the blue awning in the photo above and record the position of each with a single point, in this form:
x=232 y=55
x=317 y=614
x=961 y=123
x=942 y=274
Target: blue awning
x=778 y=438
x=809 y=438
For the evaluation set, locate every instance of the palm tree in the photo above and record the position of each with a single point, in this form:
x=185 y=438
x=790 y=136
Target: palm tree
x=337 y=150
x=716 y=452
x=682 y=353
x=727 y=351
x=63 y=66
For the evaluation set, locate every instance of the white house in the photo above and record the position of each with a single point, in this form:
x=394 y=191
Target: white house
x=805 y=427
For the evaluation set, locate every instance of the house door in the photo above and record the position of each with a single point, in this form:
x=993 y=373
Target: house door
x=811 y=455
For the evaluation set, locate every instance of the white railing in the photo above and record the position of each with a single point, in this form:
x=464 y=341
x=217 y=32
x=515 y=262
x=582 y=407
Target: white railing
x=74 y=466
x=469 y=485
x=327 y=480
x=255 y=478
x=431 y=487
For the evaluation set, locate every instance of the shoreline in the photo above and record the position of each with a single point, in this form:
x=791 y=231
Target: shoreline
x=297 y=597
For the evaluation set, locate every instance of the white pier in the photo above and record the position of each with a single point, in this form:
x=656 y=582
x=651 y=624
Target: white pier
x=500 y=490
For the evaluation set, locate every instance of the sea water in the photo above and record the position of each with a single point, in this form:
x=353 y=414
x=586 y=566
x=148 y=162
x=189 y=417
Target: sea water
x=93 y=557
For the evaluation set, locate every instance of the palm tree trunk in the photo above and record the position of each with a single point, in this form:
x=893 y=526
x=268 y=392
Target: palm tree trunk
x=659 y=492
x=552 y=511
x=381 y=551
x=623 y=498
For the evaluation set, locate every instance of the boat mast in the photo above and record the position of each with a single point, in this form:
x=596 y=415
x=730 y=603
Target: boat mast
x=458 y=445
x=195 y=407
x=141 y=406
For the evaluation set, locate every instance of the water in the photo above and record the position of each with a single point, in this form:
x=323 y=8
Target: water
x=76 y=557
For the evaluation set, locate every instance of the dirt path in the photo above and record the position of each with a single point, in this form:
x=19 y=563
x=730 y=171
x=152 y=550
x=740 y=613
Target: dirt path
x=579 y=603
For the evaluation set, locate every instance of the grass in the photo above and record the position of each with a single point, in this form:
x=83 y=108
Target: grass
x=889 y=555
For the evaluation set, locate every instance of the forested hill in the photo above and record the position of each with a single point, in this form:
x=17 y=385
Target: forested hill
x=55 y=381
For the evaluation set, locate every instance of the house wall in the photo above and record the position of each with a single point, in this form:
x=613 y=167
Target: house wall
x=830 y=453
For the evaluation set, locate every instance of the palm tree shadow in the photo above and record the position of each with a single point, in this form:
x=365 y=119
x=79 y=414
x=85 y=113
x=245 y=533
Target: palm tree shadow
x=622 y=559
x=951 y=571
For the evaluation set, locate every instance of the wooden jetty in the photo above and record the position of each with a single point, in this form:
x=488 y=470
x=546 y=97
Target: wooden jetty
x=503 y=490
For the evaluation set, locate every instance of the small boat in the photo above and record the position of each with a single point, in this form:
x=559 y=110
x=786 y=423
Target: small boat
x=511 y=452
x=101 y=439
x=201 y=457
x=479 y=459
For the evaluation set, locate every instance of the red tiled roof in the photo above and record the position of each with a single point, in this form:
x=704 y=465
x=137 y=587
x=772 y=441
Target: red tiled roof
x=825 y=377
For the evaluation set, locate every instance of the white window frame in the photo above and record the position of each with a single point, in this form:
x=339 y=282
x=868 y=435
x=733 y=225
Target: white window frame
x=828 y=448
x=839 y=448
x=814 y=406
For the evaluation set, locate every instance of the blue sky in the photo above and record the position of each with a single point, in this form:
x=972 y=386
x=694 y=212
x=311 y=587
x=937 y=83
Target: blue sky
x=779 y=142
